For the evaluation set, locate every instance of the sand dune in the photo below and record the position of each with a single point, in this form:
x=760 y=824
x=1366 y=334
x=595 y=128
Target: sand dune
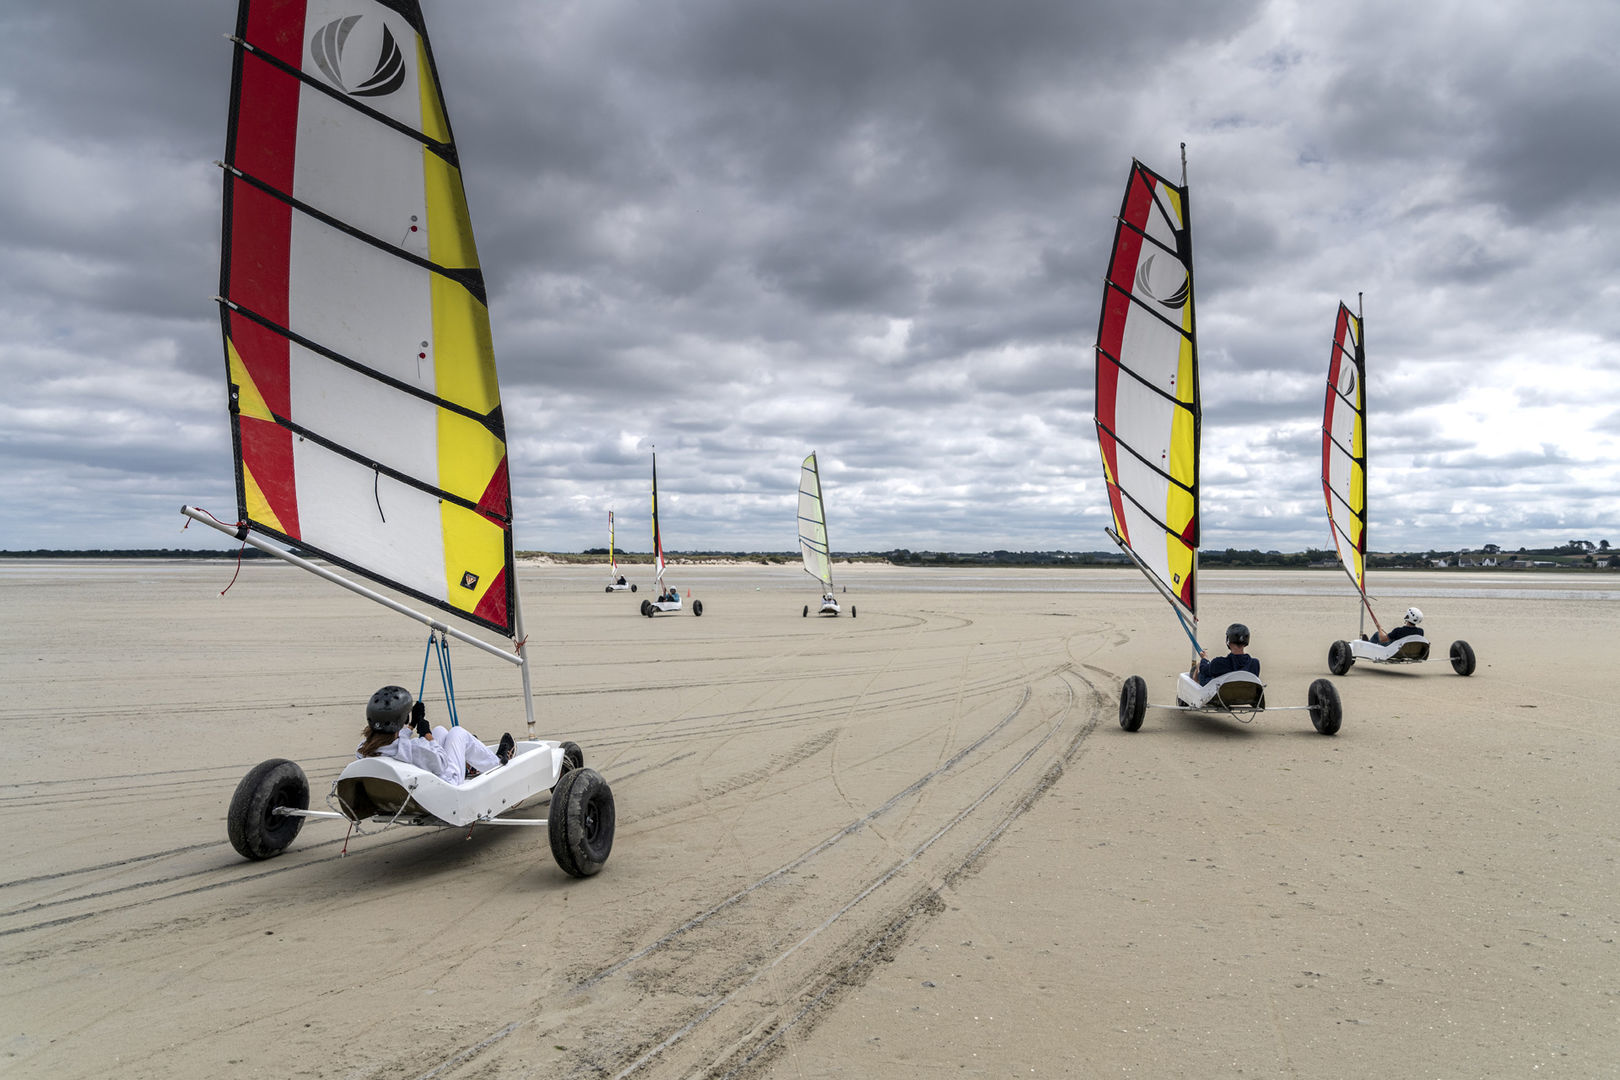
x=903 y=844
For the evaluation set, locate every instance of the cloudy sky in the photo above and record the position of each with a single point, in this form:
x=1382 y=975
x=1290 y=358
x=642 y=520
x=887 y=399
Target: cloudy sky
x=744 y=229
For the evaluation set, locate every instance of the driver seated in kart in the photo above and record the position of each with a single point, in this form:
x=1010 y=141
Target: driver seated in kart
x=621 y=580
x=671 y=596
x=1236 y=659
x=454 y=755
x=1411 y=628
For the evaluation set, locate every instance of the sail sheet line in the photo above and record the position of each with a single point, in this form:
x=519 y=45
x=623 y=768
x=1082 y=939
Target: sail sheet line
x=444 y=150
x=469 y=278
x=393 y=474
x=493 y=421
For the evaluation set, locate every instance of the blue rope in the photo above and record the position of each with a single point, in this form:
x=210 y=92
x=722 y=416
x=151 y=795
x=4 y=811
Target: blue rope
x=440 y=644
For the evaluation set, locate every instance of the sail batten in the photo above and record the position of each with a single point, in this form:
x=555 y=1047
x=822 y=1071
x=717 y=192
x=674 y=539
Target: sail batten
x=366 y=414
x=1344 y=445
x=813 y=543
x=1148 y=412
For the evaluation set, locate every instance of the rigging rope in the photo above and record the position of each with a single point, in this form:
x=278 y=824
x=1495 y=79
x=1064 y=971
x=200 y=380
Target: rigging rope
x=440 y=643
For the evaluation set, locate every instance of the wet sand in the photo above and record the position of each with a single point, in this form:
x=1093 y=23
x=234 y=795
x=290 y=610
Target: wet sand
x=911 y=843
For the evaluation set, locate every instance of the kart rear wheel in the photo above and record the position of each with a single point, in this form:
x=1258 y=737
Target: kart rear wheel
x=580 y=824
x=646 y=608
x=1326 y=712
x=1339 y=658
x=852 y=611
x=1462 y=658
x=632 y=588
x=697 y=607
x=806 y=611
x=607 y=588
x=1132 y=703
x=255 y=829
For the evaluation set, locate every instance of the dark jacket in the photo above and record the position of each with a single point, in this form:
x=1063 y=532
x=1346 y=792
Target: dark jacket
x=1405 y=631
x=1223 y=665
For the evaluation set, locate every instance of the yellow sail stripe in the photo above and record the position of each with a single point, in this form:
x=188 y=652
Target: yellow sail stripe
x=464 y=368
x=258 y=507
x=249 y=402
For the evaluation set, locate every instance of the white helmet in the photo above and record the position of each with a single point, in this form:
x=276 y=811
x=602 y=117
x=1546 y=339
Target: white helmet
x=1414 y=616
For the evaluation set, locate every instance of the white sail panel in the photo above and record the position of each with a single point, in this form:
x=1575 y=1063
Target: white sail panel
x=658 y=539
x=1344 y=446
x=813 y=524
x=1147 y=398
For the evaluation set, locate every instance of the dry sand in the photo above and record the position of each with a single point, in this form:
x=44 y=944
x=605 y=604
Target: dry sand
x=914 y=843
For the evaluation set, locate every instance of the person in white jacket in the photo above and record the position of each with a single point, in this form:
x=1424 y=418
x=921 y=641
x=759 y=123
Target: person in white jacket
x=454 y=755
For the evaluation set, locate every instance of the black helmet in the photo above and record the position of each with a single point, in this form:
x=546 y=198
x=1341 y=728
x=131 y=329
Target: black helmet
x=1237 y=634
x=389 y=709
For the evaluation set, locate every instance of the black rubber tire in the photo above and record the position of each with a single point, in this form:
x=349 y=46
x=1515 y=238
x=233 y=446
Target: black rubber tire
x=257 y=832
x=646 y=607
x=573 y=757
x=1132 y=703
x=632 y=588
x=1326 y=711
x=807 y=611
x=852 y=611
x=607 y=588
x=1339 y=658
x=697 y=607
x=1462 y=658
x=580 y=824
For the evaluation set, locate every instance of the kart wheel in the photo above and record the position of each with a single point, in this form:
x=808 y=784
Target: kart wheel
x=646 y=608
x=580 y=824
x=1326 y=712
x=632 y=588
x=255 y=829
x=607 y=588
x=806 y=611
x=573 y=757
x=1339 y=658
x=697 y=607
x=1132 y=703
x=1462 y=658
x=852 y=611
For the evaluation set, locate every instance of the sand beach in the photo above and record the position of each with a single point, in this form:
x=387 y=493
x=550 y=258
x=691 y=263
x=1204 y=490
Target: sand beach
x=911 y=843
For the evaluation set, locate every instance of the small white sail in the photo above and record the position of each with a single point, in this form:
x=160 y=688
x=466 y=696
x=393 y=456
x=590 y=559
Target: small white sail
x=813 y=525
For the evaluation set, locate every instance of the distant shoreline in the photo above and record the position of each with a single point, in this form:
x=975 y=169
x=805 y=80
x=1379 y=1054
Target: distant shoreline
x=1555 y=559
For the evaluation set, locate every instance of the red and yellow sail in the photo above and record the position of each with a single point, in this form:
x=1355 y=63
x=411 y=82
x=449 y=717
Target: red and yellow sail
x=1344 y=446
x=365 y=407
x=1148 y=410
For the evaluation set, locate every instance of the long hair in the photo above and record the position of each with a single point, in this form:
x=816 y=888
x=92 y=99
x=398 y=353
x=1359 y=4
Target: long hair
x=373 y=741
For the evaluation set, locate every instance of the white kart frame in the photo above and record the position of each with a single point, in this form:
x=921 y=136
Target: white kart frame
x=1413 y=649
x=394 y=792
x=829 y=606
x=1240 y=695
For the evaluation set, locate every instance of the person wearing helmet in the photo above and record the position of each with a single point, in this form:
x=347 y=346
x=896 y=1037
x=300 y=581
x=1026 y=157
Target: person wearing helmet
x=398 y=728
x=1411 y=628
x=1236 y=658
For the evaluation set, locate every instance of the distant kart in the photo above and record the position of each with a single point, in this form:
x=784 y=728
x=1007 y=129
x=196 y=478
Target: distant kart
x=829 y=606
x=1238 y=694
x=620 y=586
x=1342 y=655
x=670 y=601
x=272 y=801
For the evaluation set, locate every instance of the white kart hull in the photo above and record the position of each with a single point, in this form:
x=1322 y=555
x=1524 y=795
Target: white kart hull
x=1406 y=650
x=379 y=786
x=1236 y=689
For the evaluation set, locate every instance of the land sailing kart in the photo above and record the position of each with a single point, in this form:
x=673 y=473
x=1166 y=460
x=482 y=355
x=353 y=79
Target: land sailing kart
x=1342 y=655
x=1238 y=694
x=621 y=586
x=829 y=606
x=650 y=608
x=272 y=802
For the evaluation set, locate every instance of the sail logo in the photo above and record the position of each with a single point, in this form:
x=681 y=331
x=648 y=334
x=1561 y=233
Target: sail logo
x=469 y=580
x=1349 y=381
x=387 y=74
x=1176 y=299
